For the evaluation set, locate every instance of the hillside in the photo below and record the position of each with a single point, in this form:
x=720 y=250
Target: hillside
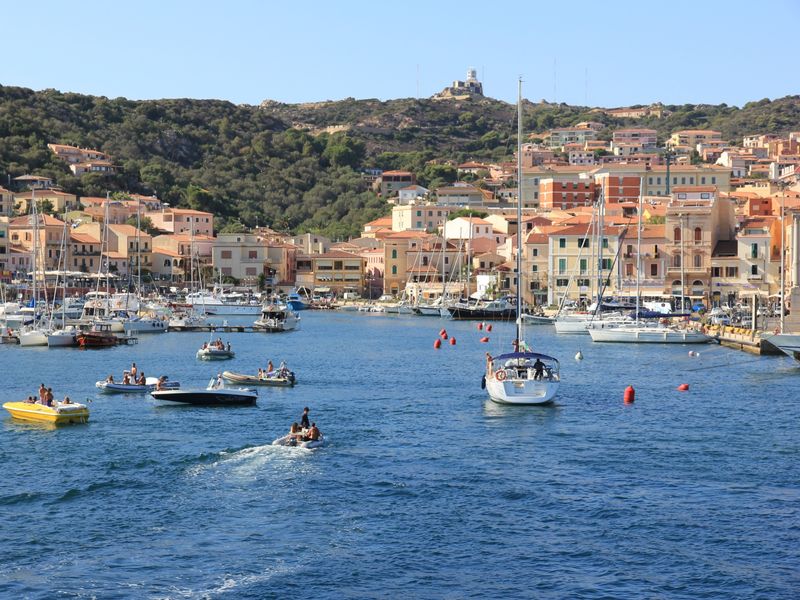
x=296 y=167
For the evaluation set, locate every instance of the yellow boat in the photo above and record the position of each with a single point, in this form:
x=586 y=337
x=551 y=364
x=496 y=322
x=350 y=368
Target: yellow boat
x=59 y=414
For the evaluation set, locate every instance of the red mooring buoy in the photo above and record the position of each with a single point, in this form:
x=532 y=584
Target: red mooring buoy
x=437 y=344
x=480 y=326
x=684 y=387
x=484 y=340
x=452 y=341
x=630 y=395
x=489 y=327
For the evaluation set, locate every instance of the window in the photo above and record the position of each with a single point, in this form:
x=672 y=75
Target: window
x=753 y=250
x=252 y=254
x=225 y=254
x=583 y=242
x=583 y=266
x=702 y=181
x=654 y=270
x=606 y=264
x=535 y=252
x=713 y=180
x=716 y=271
x=562 y=242
x=698 y=235
x=658 y=180
x=676 y=234
x=629 y=270
x=754 y=270
x=419 y=213
x=676 y=261
x=394 y=269
x=562 y=266
x=535 y=269
x=562 y=282
x=605 y=243
x=683 y=180
x=705 y=196
x=731 y=271
x=394 y=252
x=698 y=261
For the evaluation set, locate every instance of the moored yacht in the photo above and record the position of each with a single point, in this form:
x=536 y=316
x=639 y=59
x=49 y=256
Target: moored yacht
x=276 y=318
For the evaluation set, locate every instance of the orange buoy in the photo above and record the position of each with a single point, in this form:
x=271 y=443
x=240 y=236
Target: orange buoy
x=484 y=340
x=444 y=335
x=437 y=344
x=629 y=396
x=480 y=326
x=452 y=341
x=684 y=387
x=489 y=327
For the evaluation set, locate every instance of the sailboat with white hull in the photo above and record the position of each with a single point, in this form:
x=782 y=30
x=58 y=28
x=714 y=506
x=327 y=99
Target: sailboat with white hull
x=521 y=377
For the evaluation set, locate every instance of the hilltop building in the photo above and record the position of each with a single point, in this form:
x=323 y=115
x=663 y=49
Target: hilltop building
x=461 y=89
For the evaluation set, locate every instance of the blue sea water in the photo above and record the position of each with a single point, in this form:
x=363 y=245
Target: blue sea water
x=425 y=490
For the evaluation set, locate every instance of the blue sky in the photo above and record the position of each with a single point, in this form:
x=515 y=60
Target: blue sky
x=246 y=51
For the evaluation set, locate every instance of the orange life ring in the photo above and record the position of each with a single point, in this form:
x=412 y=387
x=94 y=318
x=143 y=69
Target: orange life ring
x=500 y=375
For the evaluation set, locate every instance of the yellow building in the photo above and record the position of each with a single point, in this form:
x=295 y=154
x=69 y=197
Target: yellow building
x=332 y=271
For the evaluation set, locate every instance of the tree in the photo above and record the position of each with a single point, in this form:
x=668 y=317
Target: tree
x=467 y=212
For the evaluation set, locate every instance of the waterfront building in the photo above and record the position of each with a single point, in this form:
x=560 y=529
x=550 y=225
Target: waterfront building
x=242 y=256
x=331 y=272
x=652 y=261
x=310 y=243
x=6 y=202
x=59 y=201
x=396 y=248
x=51 y=231
x=84 y=252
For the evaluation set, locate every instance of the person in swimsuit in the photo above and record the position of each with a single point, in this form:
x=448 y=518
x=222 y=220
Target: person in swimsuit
x=304 y=419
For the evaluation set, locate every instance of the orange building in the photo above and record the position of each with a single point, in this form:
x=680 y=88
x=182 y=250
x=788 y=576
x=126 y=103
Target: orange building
x=565 y=195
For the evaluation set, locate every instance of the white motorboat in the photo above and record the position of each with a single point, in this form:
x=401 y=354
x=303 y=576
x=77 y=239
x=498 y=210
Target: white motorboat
x=537 y=319
x=112 y=387
x=222 y=304
x=211 y=396
x=292 y=441
x=212 y=353
x=145 y=325
x=652 y=335
x=277 y=318
x=186 y=320
x=788 y=343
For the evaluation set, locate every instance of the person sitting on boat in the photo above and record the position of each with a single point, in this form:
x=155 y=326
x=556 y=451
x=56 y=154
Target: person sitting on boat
x=30 y=400
x=66 y=400
x=538 y=370
x=110 y=379
x=126 y=379
x=260 y=373
x=142 y=379
x=295 y=431
x=304 y=419
x=218 y=384
x=160 y=382
x=314 y=433
x=205 y=346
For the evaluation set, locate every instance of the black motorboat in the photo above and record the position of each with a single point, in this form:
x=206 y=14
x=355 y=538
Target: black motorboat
x=208 y=397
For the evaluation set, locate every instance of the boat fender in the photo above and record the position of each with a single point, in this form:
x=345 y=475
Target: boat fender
x=483 y=382
x=629 y=396
x=579 y=355
x=484 y=340
x=500 y=375
x=437 y=344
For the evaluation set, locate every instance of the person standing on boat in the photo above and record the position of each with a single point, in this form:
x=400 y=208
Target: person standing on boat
x=270 y=367
x=538 y=370
x=42 y=394
x=515 y=344
x=134 y=371
x=489 y=360
x=304 y=419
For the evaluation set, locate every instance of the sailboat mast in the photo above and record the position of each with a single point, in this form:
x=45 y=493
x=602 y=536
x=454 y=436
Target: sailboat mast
x=601 y=210
x=639 y=250
x=35 y=248
x=519 y=212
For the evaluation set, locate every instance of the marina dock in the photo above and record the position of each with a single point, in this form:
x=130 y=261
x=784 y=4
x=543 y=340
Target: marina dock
x=748 y=340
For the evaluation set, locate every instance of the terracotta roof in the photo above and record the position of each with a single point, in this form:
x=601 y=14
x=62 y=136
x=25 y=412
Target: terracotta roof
x=167 y=252
x=83 y=238
x=581 y=231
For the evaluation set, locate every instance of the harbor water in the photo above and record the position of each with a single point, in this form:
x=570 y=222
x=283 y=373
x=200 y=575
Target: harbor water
x=425 y=489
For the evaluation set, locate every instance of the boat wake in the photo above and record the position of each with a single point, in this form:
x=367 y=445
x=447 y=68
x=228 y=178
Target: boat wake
x=252 y=462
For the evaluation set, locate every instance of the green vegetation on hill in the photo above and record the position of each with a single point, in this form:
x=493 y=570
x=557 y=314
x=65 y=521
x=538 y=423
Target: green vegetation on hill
x=278 y=165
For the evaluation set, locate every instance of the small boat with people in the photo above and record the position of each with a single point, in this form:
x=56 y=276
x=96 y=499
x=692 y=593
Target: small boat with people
x=215 y=394
x=150 y=384
x=46 y=409
x=274 y=379
x=302 y=435
x=215 y=350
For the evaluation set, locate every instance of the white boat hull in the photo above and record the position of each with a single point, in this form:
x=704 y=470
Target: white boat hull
x=292 y=442
x=571 y=326
x=62 y=338
x=522 y=391
x=33 y=338
x=145 y=326
x=648 y=335
x=788 y=343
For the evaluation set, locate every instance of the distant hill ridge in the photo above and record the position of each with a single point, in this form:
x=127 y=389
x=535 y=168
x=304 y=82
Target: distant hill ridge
x=297 y=166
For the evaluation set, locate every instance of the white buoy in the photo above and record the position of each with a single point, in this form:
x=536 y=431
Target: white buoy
x=579 y=355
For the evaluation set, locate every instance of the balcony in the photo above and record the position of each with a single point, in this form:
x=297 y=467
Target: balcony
x=755 y=277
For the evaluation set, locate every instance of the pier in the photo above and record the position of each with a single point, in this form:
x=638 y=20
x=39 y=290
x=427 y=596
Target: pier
x=748 y=340
x=220 y=329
